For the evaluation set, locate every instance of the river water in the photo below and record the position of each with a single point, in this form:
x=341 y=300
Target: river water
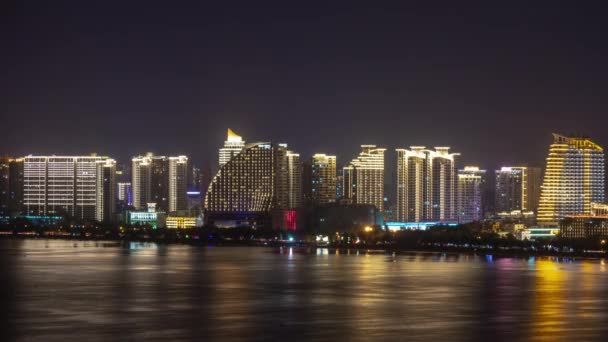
x=56 y=290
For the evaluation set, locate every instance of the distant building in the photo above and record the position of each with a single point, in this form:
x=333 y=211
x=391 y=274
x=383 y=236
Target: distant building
x=62 y=185
x=321 y=181
x=470 y=190
x=4 y=187
x=517 y=188
x=149 y=217
x=125 y=193
x=426 y=184
x=581 y=226
x=251 y=185
x=294 y=179
x=339 y=184
x=324 y=180
x=161 y=180
x=106 y=190
x=363 y=180
x=181 y=222
x=178 y=183
x=343 y=218
x=537 y=233
x=15 y=204
x=233 y=145
x=574 y=178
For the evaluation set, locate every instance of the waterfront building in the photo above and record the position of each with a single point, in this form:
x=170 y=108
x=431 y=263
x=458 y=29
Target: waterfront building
x=149 y=217
x=178 y=183
x=592 y=225
x=294 y=170
x=105 y=208
x=161 y=180
x=339 y=184
x=141 y=181
x=4 y=187
x=233 y=145
x=125 y=193
x=61 y=185
x=574 y=178
x=181 y=222
x=534 y=233
x=323 y=178
x=517 y=189
x=426 y=184
x=363 y=178
x=251 y=185
x=470 y=189
x=15 y=204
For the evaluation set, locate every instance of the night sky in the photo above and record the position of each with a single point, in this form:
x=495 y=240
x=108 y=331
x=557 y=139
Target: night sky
x=122 y=78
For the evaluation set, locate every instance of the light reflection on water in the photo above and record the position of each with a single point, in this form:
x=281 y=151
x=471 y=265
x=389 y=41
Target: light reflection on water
x=58 y=290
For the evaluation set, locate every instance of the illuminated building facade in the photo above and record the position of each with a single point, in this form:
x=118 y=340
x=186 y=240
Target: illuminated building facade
x=251 y=185
x=178 y=183
x=574 y=178
x=294 y=179
x=233 y=145
x=517 y=189
x=339 y=183
x=470 y=189
x=161 y=180
x=125 y=193
x=4 y=187
x=56 y=185
x=141 y=180
x=148 y=217
x=426 y=184
x=180 y=222
x=106 y=190
x=323 y=179
x=363 y=178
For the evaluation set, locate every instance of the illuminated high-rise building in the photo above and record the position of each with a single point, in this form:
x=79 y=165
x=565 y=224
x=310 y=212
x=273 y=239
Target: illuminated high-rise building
x=574 y=178
x=517 y=189
x=178 y=183
x=324 y=178
x=141 y=181
x=470 y=189
x=364 y=177
x=4 y=187
x=106 y=190
x=251 y=184
x=426 y=184
x=339 y=183
x=294 y=179
x=161 y=180
x=233 y=145
x=15 y=204
x=125 y=193
x=58 y=185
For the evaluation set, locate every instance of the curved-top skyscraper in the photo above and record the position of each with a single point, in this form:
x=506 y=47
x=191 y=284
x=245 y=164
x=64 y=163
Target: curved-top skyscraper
x=263 y=177
x=574 y=178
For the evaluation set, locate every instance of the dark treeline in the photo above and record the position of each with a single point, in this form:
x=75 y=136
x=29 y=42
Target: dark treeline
x=465 y=237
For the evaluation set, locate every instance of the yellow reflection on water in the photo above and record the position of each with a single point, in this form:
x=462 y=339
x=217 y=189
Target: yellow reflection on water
x=548 y=309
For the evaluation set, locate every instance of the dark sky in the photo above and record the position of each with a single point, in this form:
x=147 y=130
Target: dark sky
x=122 y=78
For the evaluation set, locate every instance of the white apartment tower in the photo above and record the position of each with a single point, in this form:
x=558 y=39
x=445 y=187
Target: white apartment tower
x=364 y=177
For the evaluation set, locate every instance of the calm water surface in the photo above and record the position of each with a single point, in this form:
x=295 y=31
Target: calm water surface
x=93 y=291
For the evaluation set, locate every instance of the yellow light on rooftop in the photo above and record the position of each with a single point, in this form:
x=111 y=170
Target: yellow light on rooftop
x=233 y=137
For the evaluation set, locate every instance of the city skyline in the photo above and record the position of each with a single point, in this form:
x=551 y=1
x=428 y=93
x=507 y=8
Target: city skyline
x=377 y=74
x=335 y=171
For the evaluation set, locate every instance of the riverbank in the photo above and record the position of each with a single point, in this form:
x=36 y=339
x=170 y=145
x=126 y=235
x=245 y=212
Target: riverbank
x=304 y=247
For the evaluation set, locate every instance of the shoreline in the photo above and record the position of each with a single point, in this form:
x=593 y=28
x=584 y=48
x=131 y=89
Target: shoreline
x=309 y=248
